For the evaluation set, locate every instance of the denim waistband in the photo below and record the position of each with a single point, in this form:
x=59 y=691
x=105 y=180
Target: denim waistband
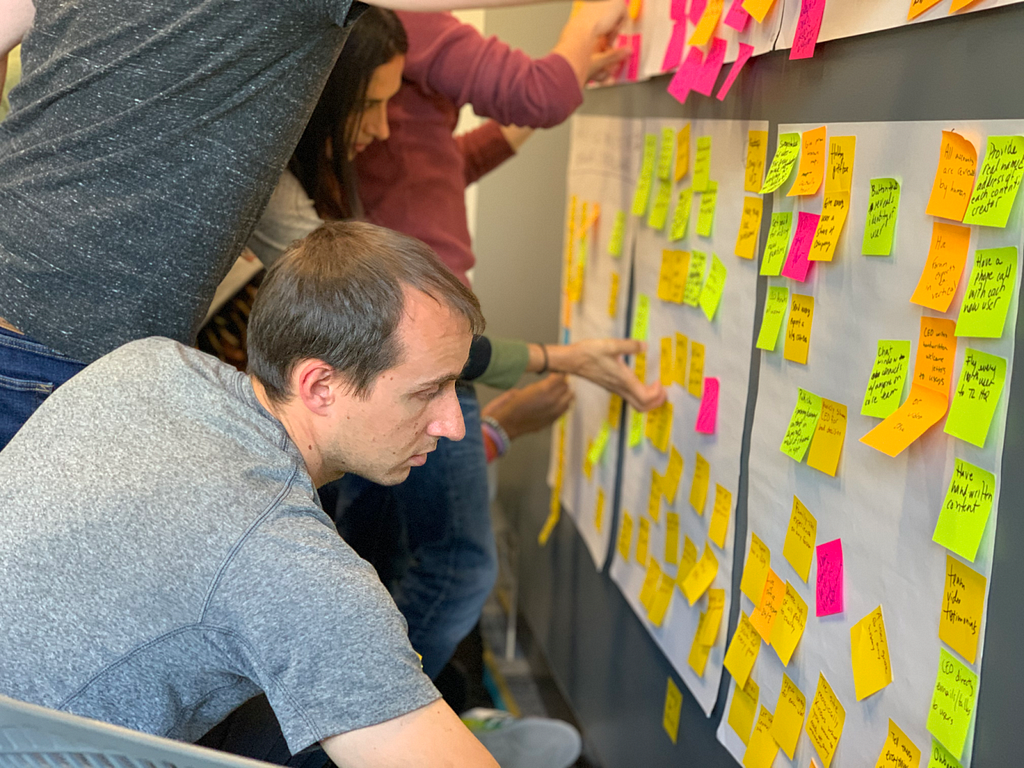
x=13 y=340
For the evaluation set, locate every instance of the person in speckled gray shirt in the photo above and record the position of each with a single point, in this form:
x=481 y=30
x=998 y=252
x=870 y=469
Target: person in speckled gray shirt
x=163 y=553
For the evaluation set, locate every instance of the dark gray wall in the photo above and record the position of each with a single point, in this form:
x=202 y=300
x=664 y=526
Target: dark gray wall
x=968 y=67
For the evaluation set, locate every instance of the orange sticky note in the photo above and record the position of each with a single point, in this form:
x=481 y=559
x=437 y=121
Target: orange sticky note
x=764 y=616
x=917 y=7
x=755 y=570
x=947 y=255
x=812 y=164
x=758 y=8
x=960 y=4
x=936 y=353
x=827 y=443
x=743 y=650
x=789 y=625
x=750 y=227
x=921 y=411
x=954 y=177
x=798 y=329
x=963 y=603
x=708 y=21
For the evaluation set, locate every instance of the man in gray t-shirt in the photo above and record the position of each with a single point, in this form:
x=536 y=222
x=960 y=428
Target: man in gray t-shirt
x=164 y=553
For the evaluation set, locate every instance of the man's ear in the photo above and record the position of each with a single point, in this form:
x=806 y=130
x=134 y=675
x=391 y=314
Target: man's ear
x=317 y=385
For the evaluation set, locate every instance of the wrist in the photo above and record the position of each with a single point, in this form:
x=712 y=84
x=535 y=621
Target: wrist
x=497 y=434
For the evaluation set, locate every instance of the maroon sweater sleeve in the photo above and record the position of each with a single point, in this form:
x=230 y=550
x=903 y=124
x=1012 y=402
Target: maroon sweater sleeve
x=483 y=149
x=451 y=59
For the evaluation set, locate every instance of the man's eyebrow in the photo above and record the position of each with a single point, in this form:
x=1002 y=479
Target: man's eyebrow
x=440 y=380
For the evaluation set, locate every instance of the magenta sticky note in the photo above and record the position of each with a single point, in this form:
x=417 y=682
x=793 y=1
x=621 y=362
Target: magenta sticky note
x=704 y=81
x=697 y=10
x=708 y=413
x=808 y=25
x=745 y=52
x=634 y=61
x=797 y=263
x=829 y=590
x=682 y=81
x=674 y=51
x=737 y=17
x=677 y=11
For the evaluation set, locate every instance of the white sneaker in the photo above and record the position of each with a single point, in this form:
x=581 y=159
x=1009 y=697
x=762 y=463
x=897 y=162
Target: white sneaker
x=524 y=742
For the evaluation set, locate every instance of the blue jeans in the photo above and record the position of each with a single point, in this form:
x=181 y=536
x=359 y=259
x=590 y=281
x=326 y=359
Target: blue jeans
x=29 y=372
x=429 y=538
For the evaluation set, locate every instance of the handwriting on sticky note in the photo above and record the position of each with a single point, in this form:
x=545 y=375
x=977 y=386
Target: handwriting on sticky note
x=825 y=721
x=720 y=515
x=976 y=396
x=625 y=535
x=743 y=650
x=841 y=151
x=888 y=377
x=695 y=278
x=947 y=255
x=789 y=625
x=671 y=538
x=921 y=411
x=827 y=443
x=764 y=615
x=737 y=19
x=706 y=212
x=713 y=617
x=670 y=483
x=789 y=716
x=762 y=748
x=699 y=652
x=917 y=7
x=798 y=548
x=643 y=185
x=808 y=26
x=662 y=599
x=682 y=152
x=774 y=313
x=829 y=588
x=701 y=576
x=777 y=246
x=695 y=384
x=699 y=485
x=702 y=164
x=797 y=262
x=993 y=281
x=681 y=215
x=673 y=706
x=650 y=584
x=830 y=226
x=714 y=287
x=936 y=353
x=757 y=153
x=654 y=497
x=998 y=182
x=743 y=708
x=898 y=751
x=812 y=163
x=798 y=330
x=755 y=569
x=880 y=226
x=707 y=415
x=786 y=153
x=675 y=266
x=641 y=317
x=665 y=154
x=750 y=227
x=963 y=602
x=965 y=510
x=659 y=211
x=618 y=235
x=642 y=540
x=954 y=177
x=802 y=424
x=679 y=373
x=869 y=650
x=659 y=426
x=687 y=561
x=940 y=757
x=952 y=709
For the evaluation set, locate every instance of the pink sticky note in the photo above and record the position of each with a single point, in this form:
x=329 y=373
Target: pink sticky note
x=797 y=263
x=677 y=12
x=704 y=81
x=708 y=413
x=674 y=51
x=697 y=10
x=682 y=81
x=737 y=17
x=634 y=60
x=807 y=28
x=622 y=41
x=745 y=52
x=829 y=589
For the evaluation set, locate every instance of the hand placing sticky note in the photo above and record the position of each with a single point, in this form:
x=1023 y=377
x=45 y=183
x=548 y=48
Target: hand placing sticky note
x=798 y=330
x=993 y=281
x=898 y=751
x=947 y=255
x=953 y=700
x=825 y=721
x=786 y=153
x=954 y=177
x=798 y=548
x=801 y=425
x=720 y=515
x=880 y=226
x=750 y=227
x=790 y=624
x=963 y=602
x=869 y=650
x=743 y=650
x=681 y=215
x=789 y=716
x=699 y=485
x=743 y=708
x=812 y=164
x=767 y=610
x=774 y=313
x=755 y=570
x=777 y=245
x=707 y=416
x=827 y=442
x=965 y=510
x=695 y=278
x=976 y=396
x=888 y=377
x=998 y=182
x=797 y=262
x=829 y=588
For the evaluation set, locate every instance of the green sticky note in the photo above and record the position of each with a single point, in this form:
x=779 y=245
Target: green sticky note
x=618 y=234
x=636 y=429
x=786 y=154
x=668 y=143
x=976 y=396
x=965 y=510
x=695 y=278
x=599 y=444
x=681 y=217
x=987 y=299
x=643 y=184
x=659 y=211
x=802 y=424
x=774 y=313
x=702 y=164
x=888 y=377
x=641 y=317
x=952 y=709
x=880 y=227
x=778 y=244
x=711 y=295
x=998 y=182
x=940 y=757
x=706 y=216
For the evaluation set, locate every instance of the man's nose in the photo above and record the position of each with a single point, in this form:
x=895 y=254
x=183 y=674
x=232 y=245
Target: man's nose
x=447 y=420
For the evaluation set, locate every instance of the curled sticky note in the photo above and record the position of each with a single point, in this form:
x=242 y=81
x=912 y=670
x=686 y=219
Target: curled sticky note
x=767 y=611
x=701 y=576
x=954 y=177
x=714 y=287
x=786 y=153
x=888 y=376
x=746 y=51
x=802 y=424
x=789 y=625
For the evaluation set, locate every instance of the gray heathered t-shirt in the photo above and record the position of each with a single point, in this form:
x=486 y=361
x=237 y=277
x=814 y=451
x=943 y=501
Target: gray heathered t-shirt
x=143 y=142
x=163 y=558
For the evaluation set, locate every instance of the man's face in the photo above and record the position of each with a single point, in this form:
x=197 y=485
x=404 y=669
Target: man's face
x=409 y=406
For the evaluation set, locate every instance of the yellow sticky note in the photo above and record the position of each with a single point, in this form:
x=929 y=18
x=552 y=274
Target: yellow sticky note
x=668 y=142
x=757 y=153
x=798 y=329
x=701 y=576
x=682 y=152
x=767 y=610
x=671 y=538
x=695 y=278
x=659 y=426
x=755 y=570
x=954 y=177
x=825 y=721
x=625 y=535
x=673 y=705
x=708 y=21
x=827 y=443
x=782 y=164
x=743 y=708
x=963 y=602
x=811 y=171
x=675 y=266
x=681 y=215
x=699 y=652
x=789 y=716
x=650 y=585
x=640 y=368
x=798 y=548
x=743 y=650
x=720 y=515
x=869 y=652
x=636 y=426
x=711 y=295
x=687 y=561
x=758 y=8
x=670 y=483
x=679 y=372
x=789 y=624
x=947 y=256
x=662 y=598
x=706 y=210
x=634 y=8
x=618 y=235
x=659 y=210
x=654 y=497
x=643 y=537
x=643 y=185
x=665 y=362
x=699 y=486
x=750 y=227
x=839 y=177
x=551 y=522
x=702 y=164
x=917 y=7
x=898 y=751
x=614 y=411
x=941 y=757
x=830 y=226
x=713 y=617
x=761 y=749
x=613 y=295
x=599 y=509
x=696 y=381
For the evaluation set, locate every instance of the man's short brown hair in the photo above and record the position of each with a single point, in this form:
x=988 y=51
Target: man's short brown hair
x=337 y=296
